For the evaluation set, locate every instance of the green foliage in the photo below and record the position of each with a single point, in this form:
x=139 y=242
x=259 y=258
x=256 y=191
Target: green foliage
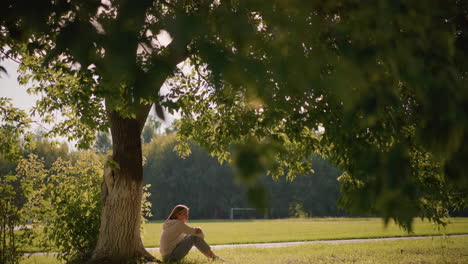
x=7 y=166
x=83 y=112
x=103 y=143
x=379 y=87
x=151 y=129
x=210 y=188
x=11 y=241
x=14 y=195
x=145 y=205
x=366 y=85
x=197 y=181
x=64 y=203
x=297 y=210
x=39 y=145
x=48 y=150
x=14 y=124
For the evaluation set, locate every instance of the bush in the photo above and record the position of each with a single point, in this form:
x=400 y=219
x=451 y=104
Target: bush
x=64 y=204
x=9 y=219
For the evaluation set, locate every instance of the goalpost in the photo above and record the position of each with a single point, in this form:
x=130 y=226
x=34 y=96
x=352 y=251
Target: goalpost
x=247 y=213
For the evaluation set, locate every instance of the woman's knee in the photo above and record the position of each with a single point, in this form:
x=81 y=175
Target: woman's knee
x=195 y=238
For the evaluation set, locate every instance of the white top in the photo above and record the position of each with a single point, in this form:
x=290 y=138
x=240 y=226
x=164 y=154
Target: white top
x=173 y=232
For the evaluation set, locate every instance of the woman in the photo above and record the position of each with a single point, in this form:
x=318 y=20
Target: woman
x=177 y=238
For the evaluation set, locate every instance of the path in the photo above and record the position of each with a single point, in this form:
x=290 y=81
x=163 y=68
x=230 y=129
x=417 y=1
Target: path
x=334 y=242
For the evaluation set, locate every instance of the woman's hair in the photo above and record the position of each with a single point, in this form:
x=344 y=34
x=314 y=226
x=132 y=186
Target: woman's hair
x=177 y=209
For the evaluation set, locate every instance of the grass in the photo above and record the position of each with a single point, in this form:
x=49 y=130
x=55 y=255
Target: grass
x=262 y=231
x=428 y=251
x=258 y=231
x=437 y=251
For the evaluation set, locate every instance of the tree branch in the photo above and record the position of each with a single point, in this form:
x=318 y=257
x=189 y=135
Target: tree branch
x=197 y=68
x=176 y=52
x=9 y=57
x=142 y=114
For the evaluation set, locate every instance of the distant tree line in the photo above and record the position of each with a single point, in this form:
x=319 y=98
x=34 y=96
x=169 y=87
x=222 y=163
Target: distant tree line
x=210 y=188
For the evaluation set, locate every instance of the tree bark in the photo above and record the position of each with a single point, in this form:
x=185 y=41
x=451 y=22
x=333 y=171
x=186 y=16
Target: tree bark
x=119 y=234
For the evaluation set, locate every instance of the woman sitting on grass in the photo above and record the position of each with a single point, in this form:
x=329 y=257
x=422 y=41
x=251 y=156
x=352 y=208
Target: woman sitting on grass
x=177 y=238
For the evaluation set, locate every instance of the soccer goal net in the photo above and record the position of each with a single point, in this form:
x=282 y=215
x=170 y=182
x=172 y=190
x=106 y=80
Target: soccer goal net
x=247 y=213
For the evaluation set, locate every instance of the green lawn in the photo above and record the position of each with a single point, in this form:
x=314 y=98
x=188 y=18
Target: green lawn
x=428 y=251
x=258 y=231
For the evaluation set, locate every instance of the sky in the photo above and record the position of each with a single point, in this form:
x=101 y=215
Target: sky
x=10 y=88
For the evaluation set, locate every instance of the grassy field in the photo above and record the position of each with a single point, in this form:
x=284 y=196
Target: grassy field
x=258 y=231
x=436 y=251
x=262 y=231
x=428 y=251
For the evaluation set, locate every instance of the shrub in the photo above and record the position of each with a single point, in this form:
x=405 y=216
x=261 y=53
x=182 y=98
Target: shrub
x=9 y=219
x=63 y=204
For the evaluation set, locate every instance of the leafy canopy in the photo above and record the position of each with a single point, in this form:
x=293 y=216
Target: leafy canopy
x=377 y=86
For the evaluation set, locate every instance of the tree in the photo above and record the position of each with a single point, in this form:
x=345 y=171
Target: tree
x=150 y=129
x=47 y=149
x=10 y=218
x=121 y=65
x=102 y=143
x=355 y=82
x=210 y=188
x=198 y=181
x=14 y=124
x=110 y=70
x=386 y=80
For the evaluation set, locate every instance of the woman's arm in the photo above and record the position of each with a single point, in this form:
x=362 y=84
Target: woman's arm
x=196 y=231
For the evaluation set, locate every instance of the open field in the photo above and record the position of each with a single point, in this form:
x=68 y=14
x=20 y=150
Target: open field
x=282 y=230
x=436 y=251
x=258 y=231
x=428 y=251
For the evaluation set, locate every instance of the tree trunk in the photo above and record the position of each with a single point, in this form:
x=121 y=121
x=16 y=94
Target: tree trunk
x=119 y=234
x=119 y=238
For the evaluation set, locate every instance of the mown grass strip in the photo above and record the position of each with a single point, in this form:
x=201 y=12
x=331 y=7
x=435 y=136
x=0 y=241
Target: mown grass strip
x=284 y=230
